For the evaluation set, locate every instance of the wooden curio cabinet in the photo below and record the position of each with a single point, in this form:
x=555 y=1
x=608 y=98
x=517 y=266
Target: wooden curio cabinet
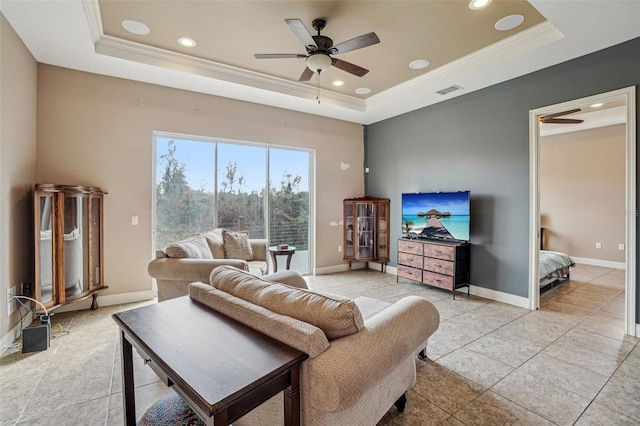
x=366 y=230
x=68 y=231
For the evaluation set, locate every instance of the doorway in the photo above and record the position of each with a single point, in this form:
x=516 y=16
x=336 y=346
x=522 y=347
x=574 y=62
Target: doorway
x=627 y=98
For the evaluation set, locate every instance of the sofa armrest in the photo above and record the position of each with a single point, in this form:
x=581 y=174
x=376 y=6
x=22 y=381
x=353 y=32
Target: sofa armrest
x=260 y=249
x=180 y=269
x=353 y=364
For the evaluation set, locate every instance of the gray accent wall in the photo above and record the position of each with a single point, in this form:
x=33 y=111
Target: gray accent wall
x=480 y=142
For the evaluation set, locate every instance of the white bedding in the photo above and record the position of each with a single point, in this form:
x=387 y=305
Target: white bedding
x=551 y=261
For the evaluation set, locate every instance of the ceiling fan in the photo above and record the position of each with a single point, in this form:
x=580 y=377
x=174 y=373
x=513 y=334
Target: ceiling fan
x=552 y=118
x=320 y=48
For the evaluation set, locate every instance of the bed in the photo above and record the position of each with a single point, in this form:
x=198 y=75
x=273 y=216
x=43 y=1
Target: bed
x=554 y=268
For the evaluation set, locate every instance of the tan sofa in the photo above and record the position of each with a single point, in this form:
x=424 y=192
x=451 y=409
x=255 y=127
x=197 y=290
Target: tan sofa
x=190 y=260
x=357 y=367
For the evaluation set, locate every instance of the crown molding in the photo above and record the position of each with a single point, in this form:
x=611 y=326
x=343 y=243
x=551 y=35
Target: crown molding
x=524 y=41
x=124 y=49
x=137 y=52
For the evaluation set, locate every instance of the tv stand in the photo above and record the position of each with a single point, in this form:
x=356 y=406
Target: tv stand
x=442 y=264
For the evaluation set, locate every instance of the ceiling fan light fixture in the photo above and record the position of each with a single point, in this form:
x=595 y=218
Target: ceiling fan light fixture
x=318 y=62
x=478 y=4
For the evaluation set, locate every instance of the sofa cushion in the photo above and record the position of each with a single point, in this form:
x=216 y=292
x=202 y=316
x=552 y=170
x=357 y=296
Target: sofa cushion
x=336 y=316
x=216 y=244
x=236 y=245
x=195 y=247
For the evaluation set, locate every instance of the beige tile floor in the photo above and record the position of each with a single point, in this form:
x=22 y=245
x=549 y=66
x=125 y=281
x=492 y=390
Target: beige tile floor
x=489 y=363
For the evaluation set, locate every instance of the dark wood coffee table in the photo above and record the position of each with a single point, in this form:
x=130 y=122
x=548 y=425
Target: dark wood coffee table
x=222 y=368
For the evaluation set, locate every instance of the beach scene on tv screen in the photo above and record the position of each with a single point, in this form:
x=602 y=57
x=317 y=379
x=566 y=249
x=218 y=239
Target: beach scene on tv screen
x=442 y=215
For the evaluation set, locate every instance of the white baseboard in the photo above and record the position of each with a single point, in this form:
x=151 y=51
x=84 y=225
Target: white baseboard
x=109 y=300
x=499 y=296
x=598 y=262
x=14 y=333
x=637 y=330
x=343 y=267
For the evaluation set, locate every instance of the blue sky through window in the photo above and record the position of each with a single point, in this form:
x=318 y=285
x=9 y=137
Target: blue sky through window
x=199 y=158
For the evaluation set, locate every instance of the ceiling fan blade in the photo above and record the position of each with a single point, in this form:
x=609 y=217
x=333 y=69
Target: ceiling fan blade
x=278 y=55
x=561 y=121
x=306 y=74
x=356 y=43
x=558 y=114
x=303 y=34
x=349 y=67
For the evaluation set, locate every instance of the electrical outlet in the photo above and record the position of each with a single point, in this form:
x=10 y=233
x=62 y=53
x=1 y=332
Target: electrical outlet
x=598 y=245
x=621 y=247
x=11 y=303
x=339 y=248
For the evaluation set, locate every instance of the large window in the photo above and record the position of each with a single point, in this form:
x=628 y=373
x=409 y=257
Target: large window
x=203 y=184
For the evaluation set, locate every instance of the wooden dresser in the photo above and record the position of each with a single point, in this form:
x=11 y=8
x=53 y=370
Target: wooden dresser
x=440 y=264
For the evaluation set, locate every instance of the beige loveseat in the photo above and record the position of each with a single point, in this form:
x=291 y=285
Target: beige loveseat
x=193 y=259
x=357 y=368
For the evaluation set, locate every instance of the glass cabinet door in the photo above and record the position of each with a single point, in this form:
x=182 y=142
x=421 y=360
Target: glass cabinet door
x=382 y=218
x=349 y=233
x=45 y=290
x=366 y=235
x=73 y=249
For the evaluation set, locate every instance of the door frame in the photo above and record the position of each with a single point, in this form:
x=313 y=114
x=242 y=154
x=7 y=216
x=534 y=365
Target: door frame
x=629 y=96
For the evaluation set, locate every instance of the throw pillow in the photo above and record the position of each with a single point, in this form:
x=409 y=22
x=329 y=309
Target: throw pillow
x=236 y=245
x=216 y=244
x=195 y=247
x=336 y=316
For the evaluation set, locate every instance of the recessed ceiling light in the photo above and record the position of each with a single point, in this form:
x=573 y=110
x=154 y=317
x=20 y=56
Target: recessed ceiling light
x=338 y=83
x=478 y=4
x=509 y=22
x=135 y=27
x=363 y=90
x=418 y=64
x=598 y=105
x=186 y=42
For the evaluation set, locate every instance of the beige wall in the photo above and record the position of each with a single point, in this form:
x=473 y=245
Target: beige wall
x=97 y=130
x=582 y=192
x=18 y=79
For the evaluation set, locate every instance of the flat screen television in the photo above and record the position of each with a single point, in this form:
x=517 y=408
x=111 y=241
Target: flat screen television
x=436 y=215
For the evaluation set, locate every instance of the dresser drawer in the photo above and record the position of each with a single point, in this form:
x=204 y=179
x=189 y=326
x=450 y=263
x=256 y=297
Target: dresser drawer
x=437 y=280
x=439 y=252
x=410 y=260
x=409 y=246
x=410 y=273
x=438 y=265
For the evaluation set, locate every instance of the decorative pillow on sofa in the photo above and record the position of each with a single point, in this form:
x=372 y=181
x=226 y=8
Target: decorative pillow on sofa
x=195 y=247
x=216 y=244
x=336 y=316
x=236 y=245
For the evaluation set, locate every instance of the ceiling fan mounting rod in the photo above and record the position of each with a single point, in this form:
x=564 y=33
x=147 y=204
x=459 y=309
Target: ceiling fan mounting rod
x=318 y=24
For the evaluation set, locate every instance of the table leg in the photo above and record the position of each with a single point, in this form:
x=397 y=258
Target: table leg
x=292 y=399
x=289 y=256
x=275 y=262
x=221 y=418
x=128 y=387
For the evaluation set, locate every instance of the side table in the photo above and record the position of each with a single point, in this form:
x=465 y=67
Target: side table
x=275 y=251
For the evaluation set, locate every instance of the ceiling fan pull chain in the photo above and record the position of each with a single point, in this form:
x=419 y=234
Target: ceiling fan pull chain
x=318 y=87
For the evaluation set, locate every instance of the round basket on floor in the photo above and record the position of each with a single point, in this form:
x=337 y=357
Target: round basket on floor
x=170 y=410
